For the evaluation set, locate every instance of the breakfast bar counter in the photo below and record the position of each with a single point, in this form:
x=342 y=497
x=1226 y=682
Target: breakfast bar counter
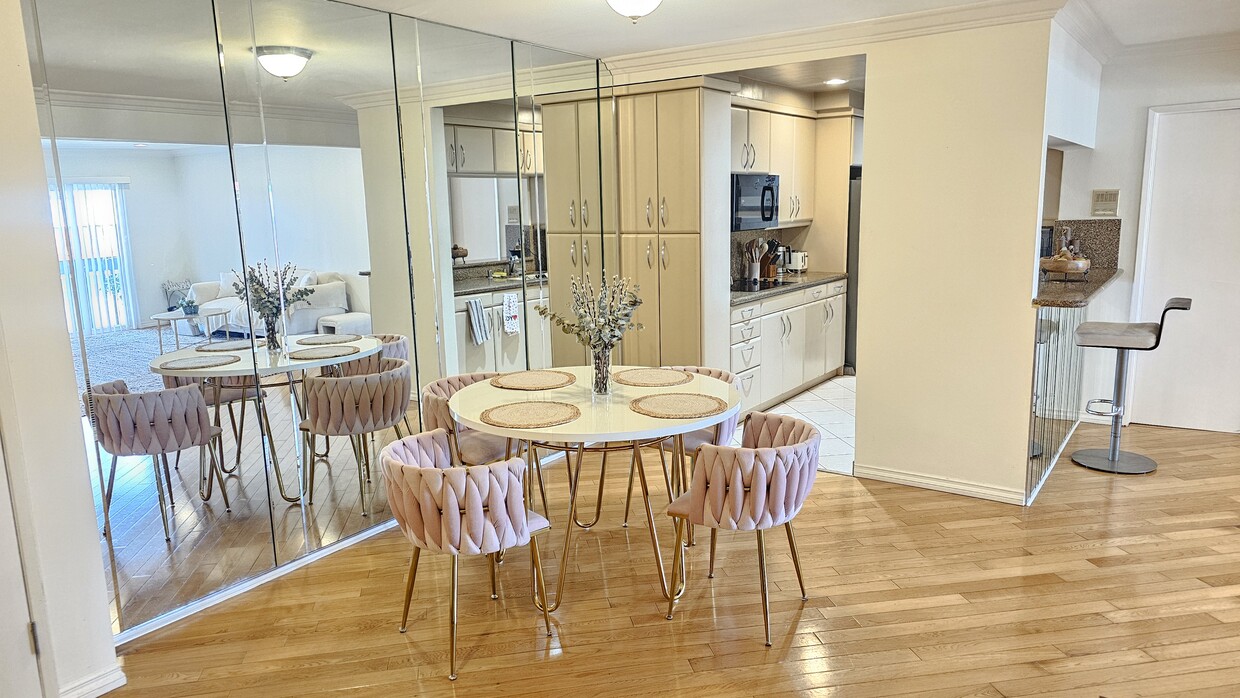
x=1073 y=294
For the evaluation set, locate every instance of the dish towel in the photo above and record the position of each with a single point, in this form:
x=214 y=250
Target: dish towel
x=512 y=318
x=479 y=330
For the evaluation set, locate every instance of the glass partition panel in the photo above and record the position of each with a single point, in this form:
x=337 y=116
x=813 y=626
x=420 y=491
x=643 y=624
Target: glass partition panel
x=140 y=189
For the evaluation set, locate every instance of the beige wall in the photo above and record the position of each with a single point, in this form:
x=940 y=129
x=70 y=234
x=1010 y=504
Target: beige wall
x=39 y=424
x=954 y=151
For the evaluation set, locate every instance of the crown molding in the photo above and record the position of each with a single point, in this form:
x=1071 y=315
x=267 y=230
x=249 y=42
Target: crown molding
x=771 y=48
x=1082 y=23
x=188 y=107
x=1215 y=43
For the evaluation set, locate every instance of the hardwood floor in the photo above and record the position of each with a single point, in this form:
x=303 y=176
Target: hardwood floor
x=1116 y=586
x=210 y=548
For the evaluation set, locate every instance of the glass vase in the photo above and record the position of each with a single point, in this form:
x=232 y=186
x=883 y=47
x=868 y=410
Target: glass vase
x=273 y=334
x=602 y=371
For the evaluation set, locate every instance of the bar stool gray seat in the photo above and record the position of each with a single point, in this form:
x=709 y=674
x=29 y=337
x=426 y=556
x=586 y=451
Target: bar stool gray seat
x=1123 y=337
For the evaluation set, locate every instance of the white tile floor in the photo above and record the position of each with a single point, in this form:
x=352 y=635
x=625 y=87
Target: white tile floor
x=830 y=406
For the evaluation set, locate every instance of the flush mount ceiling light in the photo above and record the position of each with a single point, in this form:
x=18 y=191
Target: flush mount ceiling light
x=835 y=81
x=634 y=9
x=283 y=61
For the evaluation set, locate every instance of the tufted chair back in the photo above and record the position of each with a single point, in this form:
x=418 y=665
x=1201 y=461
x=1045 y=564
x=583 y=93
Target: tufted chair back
x=760 y=485
x=473 y=510
x=726 y=428
x=148 y=424
x=360 y=404
x=435 y=396
x=391 y=346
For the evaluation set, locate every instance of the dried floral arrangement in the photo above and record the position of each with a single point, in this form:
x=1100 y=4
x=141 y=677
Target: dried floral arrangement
x=269 y=291
x=602 y=318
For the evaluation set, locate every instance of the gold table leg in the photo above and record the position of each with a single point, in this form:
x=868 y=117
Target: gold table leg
x=668 y=591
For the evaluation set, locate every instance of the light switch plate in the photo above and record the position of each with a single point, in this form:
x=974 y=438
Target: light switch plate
x=1104 y=203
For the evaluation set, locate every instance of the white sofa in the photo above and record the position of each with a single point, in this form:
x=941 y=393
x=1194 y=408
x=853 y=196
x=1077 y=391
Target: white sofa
x=334 y=294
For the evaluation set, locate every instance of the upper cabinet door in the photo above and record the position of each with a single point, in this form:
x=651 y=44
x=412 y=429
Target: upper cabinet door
x=806 y=155
x=783 y=162
x=679 y=148
x=449 y=137
x=589 y=162
x=562 y=167
x=505 y=146
x=759 y=141
x=475 y=150
x=530 y=158
x=639 y=164
x=740 y=139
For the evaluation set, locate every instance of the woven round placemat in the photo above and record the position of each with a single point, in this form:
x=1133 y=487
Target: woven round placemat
x=534 y=380
x=322 y=339
x=230 y=345
x=651 y=377
x=530 y=415
x=678 y=405
x=192 y=362
x=322 y=353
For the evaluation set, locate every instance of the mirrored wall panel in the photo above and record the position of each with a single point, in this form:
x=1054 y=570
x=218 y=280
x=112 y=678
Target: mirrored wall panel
x=269 y=209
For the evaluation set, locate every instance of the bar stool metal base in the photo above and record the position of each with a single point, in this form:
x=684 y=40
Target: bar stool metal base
x=1128 y=463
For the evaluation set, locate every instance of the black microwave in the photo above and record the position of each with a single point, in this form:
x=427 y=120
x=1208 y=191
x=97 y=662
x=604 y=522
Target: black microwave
x=755 y=201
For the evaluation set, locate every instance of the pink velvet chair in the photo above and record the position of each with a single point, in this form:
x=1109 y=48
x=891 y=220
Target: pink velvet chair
x=355 y=406
x=234 y=390
x=758 y=486
x=470 y=510
x=469 y=446
x=154 y=424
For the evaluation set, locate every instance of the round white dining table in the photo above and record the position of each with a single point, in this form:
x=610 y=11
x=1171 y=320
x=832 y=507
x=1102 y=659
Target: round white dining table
x=262 y=363
x=606 y=421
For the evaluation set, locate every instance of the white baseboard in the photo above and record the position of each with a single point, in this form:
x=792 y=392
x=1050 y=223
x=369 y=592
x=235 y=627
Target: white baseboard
x=931 y=482
x=98 y=684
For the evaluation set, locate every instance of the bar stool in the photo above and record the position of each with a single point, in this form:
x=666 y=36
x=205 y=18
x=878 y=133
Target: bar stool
x=1122 y=337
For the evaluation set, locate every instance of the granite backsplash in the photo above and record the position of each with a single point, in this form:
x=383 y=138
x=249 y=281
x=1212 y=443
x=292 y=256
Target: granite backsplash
x=1098 y=239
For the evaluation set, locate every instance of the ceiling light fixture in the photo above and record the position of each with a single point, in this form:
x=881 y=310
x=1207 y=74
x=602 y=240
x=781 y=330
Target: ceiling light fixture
x=835 y=81
x=634 y=9
x=283 y=61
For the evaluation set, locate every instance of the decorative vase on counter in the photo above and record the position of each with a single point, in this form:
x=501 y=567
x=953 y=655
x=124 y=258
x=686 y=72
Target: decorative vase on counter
x=273 y=334
x=602 y=370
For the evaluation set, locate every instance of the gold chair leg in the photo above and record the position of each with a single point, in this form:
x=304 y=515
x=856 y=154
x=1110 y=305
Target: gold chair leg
x=216 y=470
x=361 y=480
x=542 y=484
x=172 y=502
x=413 y=574
x=766 y=608
x=159 y=490
x=240 y=436
x=494 y=594
x=541 y=580
x=714 y=533
x=456 y=559
x=677 y=556
x=796 y=560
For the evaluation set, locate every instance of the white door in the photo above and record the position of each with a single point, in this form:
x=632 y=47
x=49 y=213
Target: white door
x=19 y=672
x=1191 y=249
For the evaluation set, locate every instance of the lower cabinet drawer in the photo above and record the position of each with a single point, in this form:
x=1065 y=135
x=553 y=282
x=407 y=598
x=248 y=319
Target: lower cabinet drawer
x=751 y=388
x=745 y=331
x=746 y=355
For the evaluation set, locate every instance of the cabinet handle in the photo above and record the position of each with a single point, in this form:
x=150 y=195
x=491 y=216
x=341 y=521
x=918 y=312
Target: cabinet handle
x=585 y=253
x=817 y=293
x=752 y=156
x=795 y=206
x=746 y=332
x=663 y=254
x=572 y=252
x=663 y=211
x=747 y=381
x=753 y=149
x=649 y=205
x=462 y=147
x=452 y=153
x=747 y=313
x=826 y=314
x=572 y=213
x=830 y=313
x=585 y=214
x=747 y=354
x=650 y=254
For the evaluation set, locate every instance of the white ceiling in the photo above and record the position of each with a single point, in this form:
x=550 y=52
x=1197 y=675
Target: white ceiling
x=809 y=76
x=1135 y=22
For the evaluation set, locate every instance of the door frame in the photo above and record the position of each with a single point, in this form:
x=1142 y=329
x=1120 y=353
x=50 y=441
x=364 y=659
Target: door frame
x=1143 y=218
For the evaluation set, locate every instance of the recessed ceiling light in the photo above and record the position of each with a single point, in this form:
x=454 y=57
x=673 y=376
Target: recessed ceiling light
x=283 y=61
x=835 y=81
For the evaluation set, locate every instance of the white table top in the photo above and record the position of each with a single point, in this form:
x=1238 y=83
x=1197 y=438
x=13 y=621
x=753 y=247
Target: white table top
x=263 y=362
x=603 y=417
x=180 y=314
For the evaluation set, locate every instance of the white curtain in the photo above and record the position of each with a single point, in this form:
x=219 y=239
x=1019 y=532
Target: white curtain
x=92 y=239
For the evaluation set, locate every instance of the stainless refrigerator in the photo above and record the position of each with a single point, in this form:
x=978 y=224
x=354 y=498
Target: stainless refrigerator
x=854 y=225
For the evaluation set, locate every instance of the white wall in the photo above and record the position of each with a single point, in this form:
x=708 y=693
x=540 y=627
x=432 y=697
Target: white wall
x=1072 y=83
x=39 y=418
x=1130 y=86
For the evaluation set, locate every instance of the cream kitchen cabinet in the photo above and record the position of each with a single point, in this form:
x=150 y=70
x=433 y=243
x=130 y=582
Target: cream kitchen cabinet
x=503 y=352
x=475 y=150
x=530 y=156
x=837 y=314
x=564 y=262
x=680 y=311
x=504 y=145
x=660 y=152
x=577 y=180
x=805 y=143
x=473 y=358
x=751 y=140
x=639 y=257
x=793 y=140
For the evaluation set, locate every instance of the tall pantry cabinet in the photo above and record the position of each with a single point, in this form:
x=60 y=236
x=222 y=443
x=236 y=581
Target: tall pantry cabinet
x=579 y=171
x=661 y=223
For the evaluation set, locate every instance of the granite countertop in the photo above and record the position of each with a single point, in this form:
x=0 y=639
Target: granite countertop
x=799 y=282
x=1073 y=294
x=468 y=287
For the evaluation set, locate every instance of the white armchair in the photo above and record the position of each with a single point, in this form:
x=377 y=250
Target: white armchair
x=331 y=297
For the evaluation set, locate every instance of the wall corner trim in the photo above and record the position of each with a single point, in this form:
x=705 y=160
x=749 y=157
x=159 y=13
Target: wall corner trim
x=96 y=684
x=931 y=482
